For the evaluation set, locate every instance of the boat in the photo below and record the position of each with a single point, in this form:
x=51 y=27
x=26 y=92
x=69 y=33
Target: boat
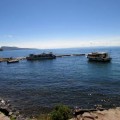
x=41 y=56
x=99 y=57
x=13 y=61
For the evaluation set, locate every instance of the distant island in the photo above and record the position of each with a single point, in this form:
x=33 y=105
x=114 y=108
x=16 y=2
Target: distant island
x=13 y=48
x=1 y=49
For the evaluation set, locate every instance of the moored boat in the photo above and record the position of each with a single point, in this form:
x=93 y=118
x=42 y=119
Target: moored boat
x=99 y=57
x=13 y=61
x=41 y=56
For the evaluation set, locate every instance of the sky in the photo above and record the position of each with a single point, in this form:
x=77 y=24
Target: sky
x=59 y=23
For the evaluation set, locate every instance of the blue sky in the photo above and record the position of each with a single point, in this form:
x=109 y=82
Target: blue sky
x=59 y=23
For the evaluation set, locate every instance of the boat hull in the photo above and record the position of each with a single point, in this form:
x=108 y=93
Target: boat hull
x=40 y=58
x=12 y=61
x=100 y=60
x=99 y=57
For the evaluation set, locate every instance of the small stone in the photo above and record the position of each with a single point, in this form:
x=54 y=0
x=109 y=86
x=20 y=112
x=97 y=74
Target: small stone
x=3 y=102
x=86 y=114
x=10 y=113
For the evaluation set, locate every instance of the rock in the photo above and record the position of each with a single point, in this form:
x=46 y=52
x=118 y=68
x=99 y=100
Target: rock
x=6 y=112
x=110 y=114
x=86 y=114
x=3 y=102
x=10 y=113
x=3 y=117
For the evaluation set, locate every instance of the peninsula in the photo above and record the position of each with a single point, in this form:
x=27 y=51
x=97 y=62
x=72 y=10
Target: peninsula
x=13 y=48
x=1 y=49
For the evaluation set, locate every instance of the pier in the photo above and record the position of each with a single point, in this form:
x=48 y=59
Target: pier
x=7 y=59
x=66 y=55
x=24 y=58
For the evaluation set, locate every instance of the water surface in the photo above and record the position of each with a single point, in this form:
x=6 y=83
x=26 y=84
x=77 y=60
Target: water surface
x=34 y=87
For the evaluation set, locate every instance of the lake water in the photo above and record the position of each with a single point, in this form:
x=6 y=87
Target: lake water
x=35 y=87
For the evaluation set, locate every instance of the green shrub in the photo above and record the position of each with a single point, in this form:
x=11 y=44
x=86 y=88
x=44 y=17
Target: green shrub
x=12 y=118
x=60 y=112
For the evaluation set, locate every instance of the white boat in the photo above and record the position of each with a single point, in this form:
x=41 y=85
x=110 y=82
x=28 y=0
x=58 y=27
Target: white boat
x=99 y=56
x=13 y=61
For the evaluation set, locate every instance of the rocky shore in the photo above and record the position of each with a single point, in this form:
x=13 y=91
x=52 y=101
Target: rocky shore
x=3 y=117
x=8 y=113
x=110 y=114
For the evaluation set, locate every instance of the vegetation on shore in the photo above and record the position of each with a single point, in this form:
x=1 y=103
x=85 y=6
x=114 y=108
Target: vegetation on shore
x=60 y=112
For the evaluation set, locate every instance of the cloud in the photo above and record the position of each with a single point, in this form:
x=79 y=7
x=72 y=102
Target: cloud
x=70 y=43
x=7 y=36
x=65 y=42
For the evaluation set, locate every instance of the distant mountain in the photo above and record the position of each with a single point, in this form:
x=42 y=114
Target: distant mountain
x=1 y=49
x=14 y=48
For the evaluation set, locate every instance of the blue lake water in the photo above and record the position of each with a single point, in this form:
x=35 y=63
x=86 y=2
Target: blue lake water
x=34 y=87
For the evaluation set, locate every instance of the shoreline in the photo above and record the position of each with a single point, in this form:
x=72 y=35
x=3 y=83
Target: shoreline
x=9 y=113
x=110 y=114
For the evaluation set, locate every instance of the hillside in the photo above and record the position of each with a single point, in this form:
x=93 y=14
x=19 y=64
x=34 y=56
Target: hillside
x=13 y=48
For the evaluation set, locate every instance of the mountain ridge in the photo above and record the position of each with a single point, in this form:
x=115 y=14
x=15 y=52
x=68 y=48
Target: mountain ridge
x=13 y=48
